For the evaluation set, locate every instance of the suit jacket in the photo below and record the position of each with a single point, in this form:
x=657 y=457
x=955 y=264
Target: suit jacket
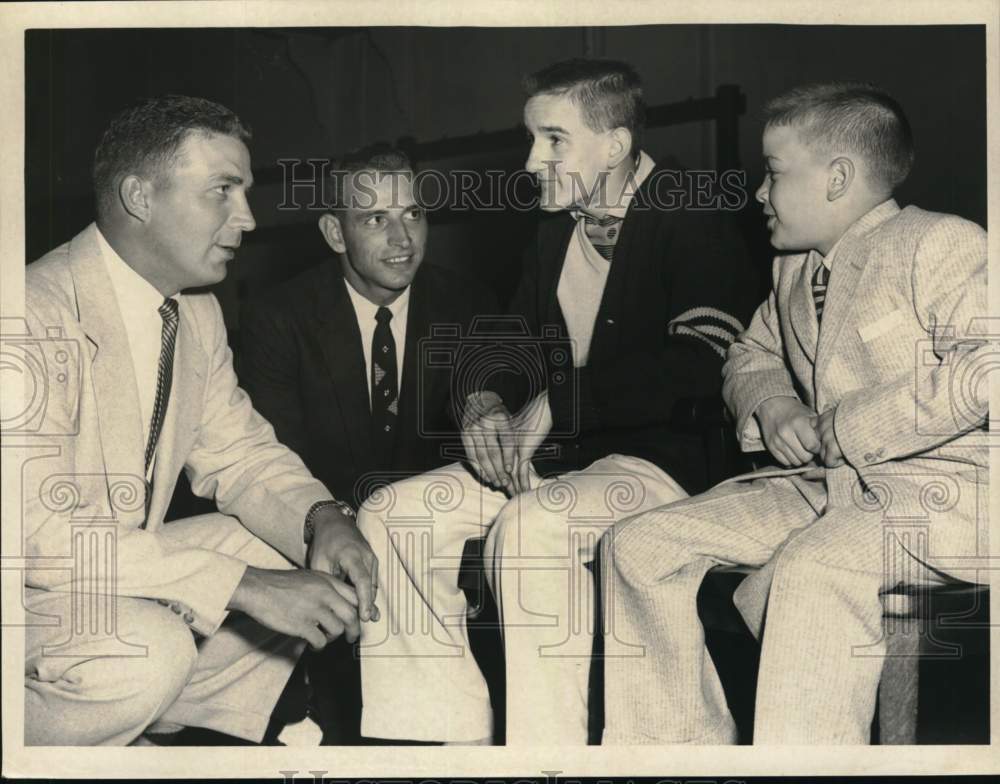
x=904 y=328
x=904 y=331
x=680 y=288
x=303 y=365
x=91 y=415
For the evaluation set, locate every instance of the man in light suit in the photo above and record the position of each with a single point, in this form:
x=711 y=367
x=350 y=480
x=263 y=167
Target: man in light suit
x=310 y=361
x=202 y=619
x=857 y=374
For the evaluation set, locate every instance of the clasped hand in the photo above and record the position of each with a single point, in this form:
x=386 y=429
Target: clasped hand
x=300 y=603
x=794 y=434
x=316 y=604
x=339 y=549
x=500 y=446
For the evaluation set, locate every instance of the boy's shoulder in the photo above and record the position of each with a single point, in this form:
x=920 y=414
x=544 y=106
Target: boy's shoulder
x=915 y=223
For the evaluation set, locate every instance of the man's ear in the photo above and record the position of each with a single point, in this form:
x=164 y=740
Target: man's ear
x=133 y=193
x=621 y=146
x=842 y=174
x=329 y=226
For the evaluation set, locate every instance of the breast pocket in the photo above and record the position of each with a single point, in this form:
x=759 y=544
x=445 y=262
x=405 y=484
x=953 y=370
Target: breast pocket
x=880 y=327
x=887 y=344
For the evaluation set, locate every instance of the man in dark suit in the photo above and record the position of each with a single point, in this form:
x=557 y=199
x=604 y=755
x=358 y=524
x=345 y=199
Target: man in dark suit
x=333 y=359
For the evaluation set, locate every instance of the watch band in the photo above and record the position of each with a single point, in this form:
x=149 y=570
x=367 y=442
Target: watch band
x=310 y=525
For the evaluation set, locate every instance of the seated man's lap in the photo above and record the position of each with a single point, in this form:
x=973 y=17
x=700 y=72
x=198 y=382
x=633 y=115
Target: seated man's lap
x=585 y=501
x=458 y=506
x=227 y=535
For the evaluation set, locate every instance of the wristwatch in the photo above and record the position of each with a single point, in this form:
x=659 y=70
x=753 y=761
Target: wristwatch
x=310 y=527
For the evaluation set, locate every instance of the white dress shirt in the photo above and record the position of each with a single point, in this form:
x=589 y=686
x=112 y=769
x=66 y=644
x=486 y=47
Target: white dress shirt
x=138 y=303
x=365 y=311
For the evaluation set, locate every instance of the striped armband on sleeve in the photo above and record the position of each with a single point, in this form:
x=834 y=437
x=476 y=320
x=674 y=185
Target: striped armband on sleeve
x=714 y=327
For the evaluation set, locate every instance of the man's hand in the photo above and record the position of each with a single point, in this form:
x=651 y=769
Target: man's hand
x=488 y=438
x=302 y=603
x=339 y=549
x=787 y=429
x=829 y=448
x=531 y=426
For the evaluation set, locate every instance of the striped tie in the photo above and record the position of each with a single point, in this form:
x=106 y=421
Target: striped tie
x=602 y=233
x=164 y=375
x=820 y=279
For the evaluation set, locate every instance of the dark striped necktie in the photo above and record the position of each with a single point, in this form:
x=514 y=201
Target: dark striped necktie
x=821 y=277
x=602 y=233
x=164 y=374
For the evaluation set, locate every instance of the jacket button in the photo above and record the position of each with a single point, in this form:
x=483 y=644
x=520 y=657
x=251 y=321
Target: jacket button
x=163 y=602
x=176 y=608
x=869 y=457
x=188 y=618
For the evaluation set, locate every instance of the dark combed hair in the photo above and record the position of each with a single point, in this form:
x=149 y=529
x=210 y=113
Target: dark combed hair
x=144 y=139
x=608 y=92
x=380 y=158
x=853 y=117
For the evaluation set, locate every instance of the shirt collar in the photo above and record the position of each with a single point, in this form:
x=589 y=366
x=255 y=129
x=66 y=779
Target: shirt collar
x=366 y=309
x=632 y=184
x=134 y=293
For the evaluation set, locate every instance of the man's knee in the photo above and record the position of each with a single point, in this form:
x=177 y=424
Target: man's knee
x=126 y=693
x=162 y=673
x=417 y=497
x=540 y=522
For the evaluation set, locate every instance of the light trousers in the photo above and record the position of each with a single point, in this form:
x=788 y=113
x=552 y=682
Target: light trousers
x=419 y=679
x=823 y=641
x=88 y=684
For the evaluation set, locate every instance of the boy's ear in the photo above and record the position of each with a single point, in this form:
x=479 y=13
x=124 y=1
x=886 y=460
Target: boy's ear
x=842 y=174
x=333 y=233
x=621 y=145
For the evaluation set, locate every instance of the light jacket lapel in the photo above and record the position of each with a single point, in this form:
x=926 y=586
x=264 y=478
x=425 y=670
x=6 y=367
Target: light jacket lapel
x=801 y=309
x=845 y=276
x=115 y=392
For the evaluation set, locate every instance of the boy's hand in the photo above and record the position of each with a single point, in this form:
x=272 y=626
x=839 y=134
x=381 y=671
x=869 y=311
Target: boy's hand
x=829 y=448
x=488 y=437
x=532 y=424
x=786 y=426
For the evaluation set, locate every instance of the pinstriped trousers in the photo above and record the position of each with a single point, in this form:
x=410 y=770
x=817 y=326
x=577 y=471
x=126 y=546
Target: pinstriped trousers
x=822 y=645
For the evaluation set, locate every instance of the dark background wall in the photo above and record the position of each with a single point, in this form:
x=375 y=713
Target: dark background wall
x=311 y=93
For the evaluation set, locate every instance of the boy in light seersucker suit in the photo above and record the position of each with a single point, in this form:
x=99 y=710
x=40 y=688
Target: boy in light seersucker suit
x=858 y=375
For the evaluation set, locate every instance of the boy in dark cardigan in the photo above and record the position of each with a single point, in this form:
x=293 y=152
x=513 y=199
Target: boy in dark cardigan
x=628 y=303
